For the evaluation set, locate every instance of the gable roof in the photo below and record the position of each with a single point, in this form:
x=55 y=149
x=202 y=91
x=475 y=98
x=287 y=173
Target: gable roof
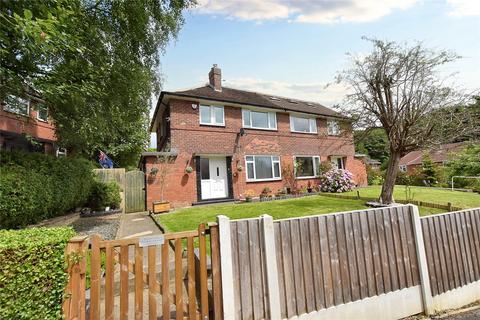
x=251 y=98
x=438 y=155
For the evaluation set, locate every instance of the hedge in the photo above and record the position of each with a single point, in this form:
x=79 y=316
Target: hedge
x=33 y=276
x=105 y=194
x=35 y=186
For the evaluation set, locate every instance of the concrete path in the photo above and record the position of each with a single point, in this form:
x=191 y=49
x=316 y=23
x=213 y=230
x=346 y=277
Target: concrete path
x=137 y=224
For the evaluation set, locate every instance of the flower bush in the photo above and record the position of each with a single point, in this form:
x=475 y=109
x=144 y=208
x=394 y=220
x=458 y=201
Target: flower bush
x=336 y=181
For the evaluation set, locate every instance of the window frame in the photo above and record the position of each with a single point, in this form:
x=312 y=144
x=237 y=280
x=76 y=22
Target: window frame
x=38 y=112
x=269 y=114
x=61 y=152
x=316 y=174
x=339 y=130
x=342 y=158
x=310 y=118
x=402 y=167
x=212 y=115
x=279 y=178
x=26 y=101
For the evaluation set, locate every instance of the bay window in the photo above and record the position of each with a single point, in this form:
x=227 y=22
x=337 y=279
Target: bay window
x=262 y=168
x=307 y=167
x=212 y=115
x=303 y=124
x=259 y=120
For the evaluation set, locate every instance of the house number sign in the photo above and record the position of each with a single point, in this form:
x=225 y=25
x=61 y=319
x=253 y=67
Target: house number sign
x=151 y=241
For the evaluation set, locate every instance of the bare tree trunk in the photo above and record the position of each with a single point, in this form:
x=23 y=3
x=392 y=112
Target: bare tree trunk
x=386 y=197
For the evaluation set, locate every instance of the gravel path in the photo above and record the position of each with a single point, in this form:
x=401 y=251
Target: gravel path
x=105 y=226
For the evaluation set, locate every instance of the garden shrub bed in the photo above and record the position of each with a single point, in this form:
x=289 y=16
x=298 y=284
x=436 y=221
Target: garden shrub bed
x=34 y=187
x=33 y=276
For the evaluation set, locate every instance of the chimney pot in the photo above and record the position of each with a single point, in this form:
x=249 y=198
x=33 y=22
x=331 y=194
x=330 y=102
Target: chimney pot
x=215 y=78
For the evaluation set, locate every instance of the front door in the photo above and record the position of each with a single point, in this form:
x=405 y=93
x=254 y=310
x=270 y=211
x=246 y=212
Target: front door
x=213 y=174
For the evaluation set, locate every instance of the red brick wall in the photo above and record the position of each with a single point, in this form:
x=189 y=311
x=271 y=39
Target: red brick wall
x=189 y=138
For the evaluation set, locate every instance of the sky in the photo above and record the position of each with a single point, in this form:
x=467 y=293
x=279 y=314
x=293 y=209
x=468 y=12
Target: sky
x=295 y=48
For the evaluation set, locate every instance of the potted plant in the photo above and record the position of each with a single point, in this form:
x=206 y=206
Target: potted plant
x=249 y=194
x=309 y=187
x=288 y=173
x=188 y=169
x=265 y=193
x=239 y=168
x=163 y=169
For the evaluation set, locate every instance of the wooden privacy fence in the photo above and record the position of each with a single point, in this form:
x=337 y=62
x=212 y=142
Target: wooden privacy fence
x=134 y=279
x=132 y=184
x=352 y=265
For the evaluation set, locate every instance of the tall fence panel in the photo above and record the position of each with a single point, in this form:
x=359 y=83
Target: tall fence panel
x=134 y=191
x=452 y=246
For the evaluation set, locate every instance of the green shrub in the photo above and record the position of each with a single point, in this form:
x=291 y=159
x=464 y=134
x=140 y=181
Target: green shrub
x=105 y=195
x=32 y=276
x=35 y=186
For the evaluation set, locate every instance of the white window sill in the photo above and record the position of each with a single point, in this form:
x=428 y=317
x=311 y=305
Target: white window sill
x=334 y=135
x=304 y=132
x=264 y=129
x=212 y=124
x=264 y=180
x=310 y=177
x=17 y=113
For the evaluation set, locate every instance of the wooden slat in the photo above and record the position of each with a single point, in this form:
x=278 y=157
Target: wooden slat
x=152 y=279
x=203 y=272
x=138 y=282
x=343 y=258
x=165 y=281
x=124 y=282
x=255 y=265
x=461 y=242
x=362 y=275
x=392 y=262
x=236 y=269
x=441 y=253
x=398 y=249
x=178 y=280
x=475 y=230
x=134 y=241
x=468 y=250
x=453 y=254
x=244 y=270
x=316 y=263
x=216 y=275
x=436 y=255
x=429 y=256
x=411 y=246
x=109 y=284
x=368 y=254
x=450 y=281
x=95 y=278
x=405 y=256
x=382 y=243
x=192 y=305
x=334 y=260
x=281 y=273
x=377 y=264
x=307 y=265
x=297 y=266
x=289 y=284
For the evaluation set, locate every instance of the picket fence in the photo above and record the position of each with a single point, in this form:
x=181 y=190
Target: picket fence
x=386 y=263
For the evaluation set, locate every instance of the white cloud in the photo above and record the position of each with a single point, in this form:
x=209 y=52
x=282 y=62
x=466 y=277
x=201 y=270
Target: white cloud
x=327 y=95
x=306 y=11
x=462 y=8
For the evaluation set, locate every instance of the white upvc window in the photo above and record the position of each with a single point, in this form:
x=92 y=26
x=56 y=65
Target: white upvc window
x=403 y=167
x=263 y=168
x=333 y=128
x=259 y=119
x=42 y=112
x=337 y=162
x=61 y=152
x=17 y=105
x=303 y=124
x=307 y=166
x=212 y=115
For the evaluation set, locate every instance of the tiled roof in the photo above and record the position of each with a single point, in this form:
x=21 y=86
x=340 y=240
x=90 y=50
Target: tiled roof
x=438 y=155
x=257 y=99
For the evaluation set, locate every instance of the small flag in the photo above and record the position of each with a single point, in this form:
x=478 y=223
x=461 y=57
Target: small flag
x=105 y=161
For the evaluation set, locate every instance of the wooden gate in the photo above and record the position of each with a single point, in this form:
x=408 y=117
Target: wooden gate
x=134 y=191
x=130 y=279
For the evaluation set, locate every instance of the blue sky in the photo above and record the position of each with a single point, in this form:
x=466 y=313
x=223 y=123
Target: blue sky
x=293 y=48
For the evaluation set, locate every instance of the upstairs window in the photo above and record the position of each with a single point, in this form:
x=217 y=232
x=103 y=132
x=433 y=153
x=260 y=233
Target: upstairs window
x=303 y=124
x=263 y=168
x=333 y=128
x=42 y=112
x=212 y=115
x=307 y=167
x=259 y=120
x=17 y=105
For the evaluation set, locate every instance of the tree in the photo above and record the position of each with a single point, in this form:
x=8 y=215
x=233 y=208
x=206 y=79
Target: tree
x=429 y=172
x=95 y=64
x=398 y=87
x=373 y=142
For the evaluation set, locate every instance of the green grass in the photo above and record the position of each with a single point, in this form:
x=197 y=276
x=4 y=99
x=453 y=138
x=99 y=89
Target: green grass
x=440 y=196
x=190 y=218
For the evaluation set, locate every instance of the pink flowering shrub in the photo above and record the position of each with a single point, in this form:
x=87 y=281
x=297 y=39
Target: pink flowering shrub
x=336 y=180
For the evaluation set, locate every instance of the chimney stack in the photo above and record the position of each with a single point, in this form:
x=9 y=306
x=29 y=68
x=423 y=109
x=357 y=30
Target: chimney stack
x=215 y=77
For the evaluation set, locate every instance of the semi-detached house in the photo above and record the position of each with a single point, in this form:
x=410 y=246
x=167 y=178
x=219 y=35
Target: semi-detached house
x=240 y=141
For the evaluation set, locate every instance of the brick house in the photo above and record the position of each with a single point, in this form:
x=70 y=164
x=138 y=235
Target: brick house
x=237 y=141
x=25 y=125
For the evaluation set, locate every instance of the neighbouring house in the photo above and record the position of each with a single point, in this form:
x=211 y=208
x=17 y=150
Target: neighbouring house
x=373 y=163
x=239 y=141
x=439 y=155
x=25 y=125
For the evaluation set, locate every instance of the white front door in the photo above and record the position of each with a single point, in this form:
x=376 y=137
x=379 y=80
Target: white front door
x=213 y=174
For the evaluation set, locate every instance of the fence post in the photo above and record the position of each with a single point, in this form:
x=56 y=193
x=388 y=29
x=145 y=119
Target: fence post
x=75 y=255
x=271 y=267
x=358 y=194
x=422 y=261
x=449 y=207
x=226 y=266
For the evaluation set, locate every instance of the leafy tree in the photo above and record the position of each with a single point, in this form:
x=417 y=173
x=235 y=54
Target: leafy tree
x=373 y=142
x=466 y=162
x=94 y=62
x=429 y=172
x=398 y=87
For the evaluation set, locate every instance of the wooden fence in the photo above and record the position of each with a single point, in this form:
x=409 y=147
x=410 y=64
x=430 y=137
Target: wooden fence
x=446 y=207
x=132 y=185
x=347 y=265
x=131 y=280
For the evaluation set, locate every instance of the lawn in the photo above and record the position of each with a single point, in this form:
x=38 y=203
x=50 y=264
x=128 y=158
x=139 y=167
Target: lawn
x=440 y=196
x=190 y=218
